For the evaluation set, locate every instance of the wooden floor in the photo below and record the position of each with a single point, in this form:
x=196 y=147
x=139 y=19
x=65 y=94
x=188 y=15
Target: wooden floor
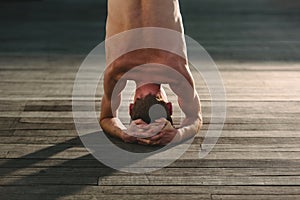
x=256 y=45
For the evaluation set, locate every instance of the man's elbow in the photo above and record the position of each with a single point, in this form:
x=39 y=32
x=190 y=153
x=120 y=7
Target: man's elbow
x=104 y=122
x=200 y=123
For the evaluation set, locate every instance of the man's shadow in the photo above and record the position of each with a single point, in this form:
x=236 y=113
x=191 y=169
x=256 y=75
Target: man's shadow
x=80 y=172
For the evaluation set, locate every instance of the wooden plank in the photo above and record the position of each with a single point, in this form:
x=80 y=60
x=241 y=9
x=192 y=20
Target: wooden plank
x=230 y=190
x=253 y=163
x=97 y=171
x=247 y=147
x=68 y=126
x=7 y=123
x=257 y=105
x=129 y=190
x=71 y=152
x=225 y=133
x=45 y=163
x=198 y=180
x=249 y=142
x=275 y=147
x=229 y=69
x=69 y=133
x=289 y=119
x=90 y=161
x=53 y=88
x=233 y=114
x=47 y=126
x=10 y=106
x=253 y=93
x=152 y=180
x=257 y=134
x=54 y=180
x=39 y=140
x=34 y=143
x=6 y=133
x=255 y=197
x=113 y=197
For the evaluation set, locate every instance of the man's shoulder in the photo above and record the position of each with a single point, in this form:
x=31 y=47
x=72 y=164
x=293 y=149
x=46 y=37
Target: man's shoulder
x=112 y=72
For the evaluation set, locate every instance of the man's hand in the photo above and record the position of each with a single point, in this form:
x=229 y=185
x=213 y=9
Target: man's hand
x=164 y=137
x=128 y=138
x=140 y=129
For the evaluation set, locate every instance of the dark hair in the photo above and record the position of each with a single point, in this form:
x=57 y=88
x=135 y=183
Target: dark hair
x=141 y=109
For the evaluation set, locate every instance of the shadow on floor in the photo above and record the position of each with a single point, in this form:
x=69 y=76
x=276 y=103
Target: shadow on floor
x=46 y=171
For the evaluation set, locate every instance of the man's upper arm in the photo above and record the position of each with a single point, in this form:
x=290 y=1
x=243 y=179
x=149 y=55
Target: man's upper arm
x=188 y=98
x=113 y=87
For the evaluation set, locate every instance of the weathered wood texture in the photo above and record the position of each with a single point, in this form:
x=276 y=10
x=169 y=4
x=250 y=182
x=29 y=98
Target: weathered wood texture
x=256 y=46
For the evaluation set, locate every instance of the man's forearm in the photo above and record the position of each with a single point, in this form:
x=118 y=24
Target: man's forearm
x=113 y=127
x=189 y=128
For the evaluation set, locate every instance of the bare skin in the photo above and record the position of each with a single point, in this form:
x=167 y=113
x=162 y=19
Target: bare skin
x=126 y=15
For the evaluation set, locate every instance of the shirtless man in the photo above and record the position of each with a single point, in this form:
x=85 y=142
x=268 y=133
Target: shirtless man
x=125 y=15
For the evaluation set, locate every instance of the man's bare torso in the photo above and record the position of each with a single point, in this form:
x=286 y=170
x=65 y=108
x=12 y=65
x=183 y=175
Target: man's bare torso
x=146 y=13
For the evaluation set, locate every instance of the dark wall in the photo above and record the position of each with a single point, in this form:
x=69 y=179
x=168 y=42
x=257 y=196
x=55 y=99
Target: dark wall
x=245 y=30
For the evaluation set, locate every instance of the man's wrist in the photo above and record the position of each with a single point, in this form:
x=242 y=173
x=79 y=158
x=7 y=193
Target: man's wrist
x=122 y=137
x=190 y=130
x=178 y=137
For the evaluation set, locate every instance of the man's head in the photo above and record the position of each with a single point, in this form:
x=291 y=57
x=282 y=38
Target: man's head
x=150 y=108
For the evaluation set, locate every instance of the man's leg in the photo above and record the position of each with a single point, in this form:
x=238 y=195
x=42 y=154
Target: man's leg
x=130 y=14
